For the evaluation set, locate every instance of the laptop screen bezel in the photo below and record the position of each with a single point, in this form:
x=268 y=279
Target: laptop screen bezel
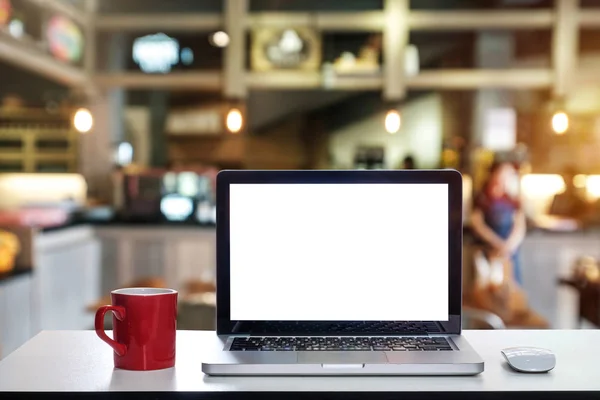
x=226 y=326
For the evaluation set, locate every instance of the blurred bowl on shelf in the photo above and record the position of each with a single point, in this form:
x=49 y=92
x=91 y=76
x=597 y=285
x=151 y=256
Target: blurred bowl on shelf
x=587 y=269
x=9 y=249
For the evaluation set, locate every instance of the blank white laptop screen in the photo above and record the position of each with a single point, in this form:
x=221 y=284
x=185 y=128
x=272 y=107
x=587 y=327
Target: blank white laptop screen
x=339 y=252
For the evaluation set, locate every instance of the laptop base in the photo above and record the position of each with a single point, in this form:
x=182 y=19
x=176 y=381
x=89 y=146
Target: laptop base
x=463 y=360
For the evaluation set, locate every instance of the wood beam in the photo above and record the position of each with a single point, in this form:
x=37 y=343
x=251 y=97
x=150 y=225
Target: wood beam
x=89 y=61
x=234 y=85
x=25 y=55
x=589 y=18
x=478 y=78
x=277 y=19
x=350 y=83
x=565 y=44
x=190 y=22
x=475 y=20
x=466 y=79
x=284 y=80
x=395 y=40
x=208 y=81
x=371 y=21
x=586 y=77
x=417 y=20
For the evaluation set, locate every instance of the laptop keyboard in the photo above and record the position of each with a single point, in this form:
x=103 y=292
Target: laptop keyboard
x=376 y=343
x=322 y=328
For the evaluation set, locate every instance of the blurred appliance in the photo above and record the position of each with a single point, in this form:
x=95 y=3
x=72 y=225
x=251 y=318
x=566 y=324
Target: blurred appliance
x=369 y=158
x=159 y=195
x=9 y=249
x=188 y=195
x=139 y=195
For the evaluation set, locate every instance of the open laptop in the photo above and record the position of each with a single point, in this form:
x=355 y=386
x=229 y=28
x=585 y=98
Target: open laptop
x=339 y=273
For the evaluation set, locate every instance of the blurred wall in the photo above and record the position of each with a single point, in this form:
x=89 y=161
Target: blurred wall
x=34 y=89
x=270 y=107
x=138 y=132
x=421 y=135
x=579 y=148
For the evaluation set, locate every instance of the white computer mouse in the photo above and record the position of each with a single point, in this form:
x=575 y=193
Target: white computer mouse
x=529 y=359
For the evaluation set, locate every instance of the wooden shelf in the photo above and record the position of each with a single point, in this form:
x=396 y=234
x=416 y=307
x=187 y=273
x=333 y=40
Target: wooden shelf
x=36 y=143
x=313 y=80
x=428 y=79
x=199 y=80
x=34 y=114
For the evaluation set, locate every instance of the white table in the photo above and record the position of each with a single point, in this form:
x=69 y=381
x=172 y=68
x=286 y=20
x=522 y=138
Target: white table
x=77 y=361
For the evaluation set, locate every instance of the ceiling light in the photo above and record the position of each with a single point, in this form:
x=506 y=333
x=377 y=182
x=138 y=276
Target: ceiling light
x=560 y=122
x=235 y=120
x=83 y=120
x=219 y=39
x=392 y=121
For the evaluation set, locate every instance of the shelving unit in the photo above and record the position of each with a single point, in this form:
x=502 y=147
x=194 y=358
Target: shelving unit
x=33 y=140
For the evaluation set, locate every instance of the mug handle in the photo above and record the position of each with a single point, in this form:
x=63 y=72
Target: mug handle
x=119 y=312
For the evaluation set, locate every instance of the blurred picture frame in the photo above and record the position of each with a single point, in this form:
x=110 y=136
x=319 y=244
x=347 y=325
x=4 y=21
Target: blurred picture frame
x=285 y=48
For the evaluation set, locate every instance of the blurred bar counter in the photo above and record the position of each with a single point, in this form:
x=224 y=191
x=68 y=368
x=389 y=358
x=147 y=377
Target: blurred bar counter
x=74 y=264
x=6 y=277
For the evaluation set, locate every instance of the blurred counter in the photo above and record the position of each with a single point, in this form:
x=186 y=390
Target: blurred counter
x=116 y=223
x=77 y=263
x=15 y=273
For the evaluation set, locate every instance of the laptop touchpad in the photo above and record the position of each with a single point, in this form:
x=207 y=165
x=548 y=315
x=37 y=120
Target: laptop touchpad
x=341 y=357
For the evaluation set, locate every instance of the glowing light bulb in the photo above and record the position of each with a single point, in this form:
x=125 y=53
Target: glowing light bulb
x=219 y=39
x=235 y=120
x=560 y=122
x=593 y=186
x=579 y=181
x=392 y=121
x=83 y=120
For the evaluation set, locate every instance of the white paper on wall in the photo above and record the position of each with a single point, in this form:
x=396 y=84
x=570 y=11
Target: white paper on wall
x=500 y=129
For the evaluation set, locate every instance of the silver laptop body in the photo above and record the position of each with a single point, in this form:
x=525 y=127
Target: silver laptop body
x=339 y=273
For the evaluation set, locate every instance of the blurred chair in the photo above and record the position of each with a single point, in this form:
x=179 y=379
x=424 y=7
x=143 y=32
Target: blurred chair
x=585 y=280
x=197 y=306
x=493 y=289
x=473 y=318
x=196 y=315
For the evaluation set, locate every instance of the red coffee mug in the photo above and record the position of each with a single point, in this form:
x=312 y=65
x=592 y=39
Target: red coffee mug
x=144 y=327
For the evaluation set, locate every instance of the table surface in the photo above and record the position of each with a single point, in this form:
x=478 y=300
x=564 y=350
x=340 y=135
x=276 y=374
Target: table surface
x=77 y=361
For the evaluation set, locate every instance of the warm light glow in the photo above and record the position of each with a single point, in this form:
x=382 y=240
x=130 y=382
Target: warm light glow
x=579 y=181
x=560 y=122
x=83 y=120
x=235 y=120
x=392 y=121
x=219 y=39
x=593 y=186
x=542 y=185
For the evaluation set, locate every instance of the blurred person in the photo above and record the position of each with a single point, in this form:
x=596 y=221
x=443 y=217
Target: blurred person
x=408 y=162
x=498 y=219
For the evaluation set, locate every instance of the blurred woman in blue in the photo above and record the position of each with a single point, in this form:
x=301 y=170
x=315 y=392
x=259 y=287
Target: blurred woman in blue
x=498 y=218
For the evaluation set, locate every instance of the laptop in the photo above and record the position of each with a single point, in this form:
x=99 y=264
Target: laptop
x=353 y=272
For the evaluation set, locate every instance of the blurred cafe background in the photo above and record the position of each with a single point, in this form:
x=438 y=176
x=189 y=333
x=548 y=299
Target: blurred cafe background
x=116 y=116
